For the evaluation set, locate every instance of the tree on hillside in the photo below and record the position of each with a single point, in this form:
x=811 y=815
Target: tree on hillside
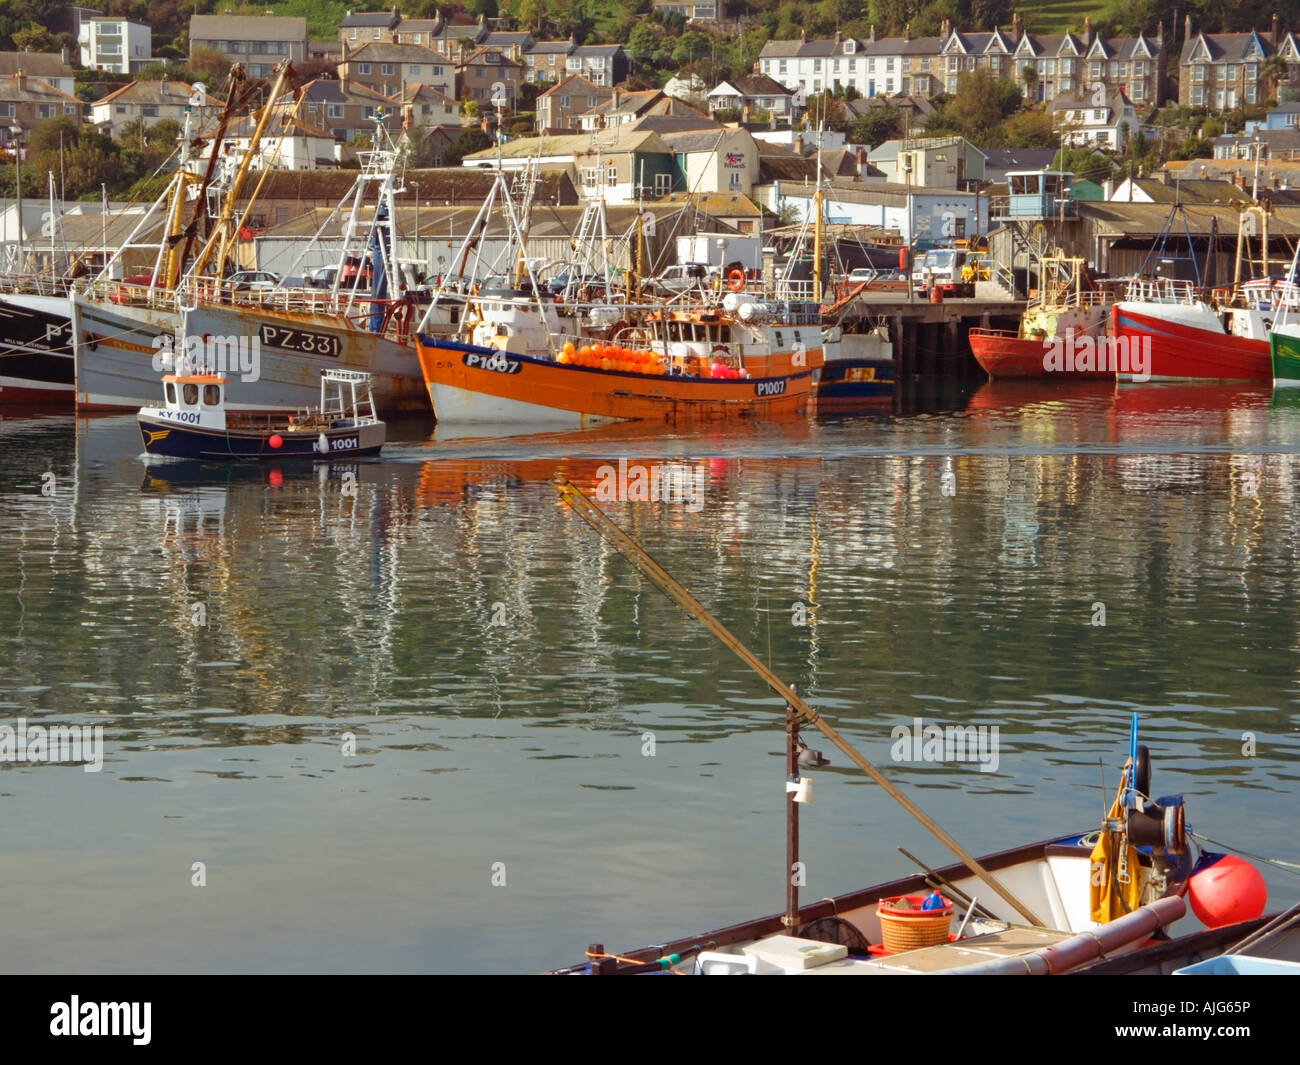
x=1276 y=73
x=471 y=140
x=977 y=108
x=35 y=39
x=208 y=65
x=878 y=125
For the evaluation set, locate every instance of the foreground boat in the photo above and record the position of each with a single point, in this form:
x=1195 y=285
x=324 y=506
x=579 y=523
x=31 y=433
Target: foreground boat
x=194 y=422
x=1047 y=908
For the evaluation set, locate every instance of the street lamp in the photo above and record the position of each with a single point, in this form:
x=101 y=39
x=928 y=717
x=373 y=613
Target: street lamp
x=15 y=142
x=911 y=237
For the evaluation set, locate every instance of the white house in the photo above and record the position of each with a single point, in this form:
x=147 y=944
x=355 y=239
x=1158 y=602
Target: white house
x=754 y=95
x=1088 y=119
x=929 y=216
x=116 y=44
x=723 y=160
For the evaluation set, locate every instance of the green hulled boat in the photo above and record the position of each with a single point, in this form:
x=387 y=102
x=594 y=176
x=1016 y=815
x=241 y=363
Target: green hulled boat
x=1284 y=347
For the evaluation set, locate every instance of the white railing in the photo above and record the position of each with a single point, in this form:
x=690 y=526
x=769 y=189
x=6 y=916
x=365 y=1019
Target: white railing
x=1162 y=290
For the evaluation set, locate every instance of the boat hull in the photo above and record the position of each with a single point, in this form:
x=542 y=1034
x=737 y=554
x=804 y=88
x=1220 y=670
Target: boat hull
x=36 y=356
x=1284 y=350
x=468 y=384
x=1002 y=353
x=1182 y=352
x=116 y=346
x=165 y=437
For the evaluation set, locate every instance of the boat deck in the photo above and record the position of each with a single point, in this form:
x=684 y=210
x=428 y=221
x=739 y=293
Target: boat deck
x=947 y=956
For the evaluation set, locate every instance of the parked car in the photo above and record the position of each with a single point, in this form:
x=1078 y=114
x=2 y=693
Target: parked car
x=321 y=277
x=252 y=281
x=681 y=277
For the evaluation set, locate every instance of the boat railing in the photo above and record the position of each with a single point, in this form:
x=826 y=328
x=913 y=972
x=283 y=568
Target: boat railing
x=1161 y=290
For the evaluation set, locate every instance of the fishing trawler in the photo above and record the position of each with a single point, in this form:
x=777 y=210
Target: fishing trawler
x=363 y=322
x=1193 y=339
x=531 y=358
x=195 y=422
x=1068 y=309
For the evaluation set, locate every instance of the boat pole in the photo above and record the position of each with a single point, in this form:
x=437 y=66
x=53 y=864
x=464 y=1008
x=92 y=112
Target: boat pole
x=791 y=817
x=637 y=555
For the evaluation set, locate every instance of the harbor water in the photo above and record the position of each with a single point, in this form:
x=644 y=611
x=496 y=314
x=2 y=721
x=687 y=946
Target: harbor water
x=413 y=715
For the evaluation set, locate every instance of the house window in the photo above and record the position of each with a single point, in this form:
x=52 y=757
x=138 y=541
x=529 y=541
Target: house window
x=611 y=175
x=386 y=70
x=335 y=111
x=1250 y=93
x=363 y=68
x=954 y=63
x=733 y=181
x=121 y=109
x=1139 y=92
x=663 y=184
x=1252 y=71
x=1139 y=69
x=1067 y=66
x=147 y=112
x=780 y=66
x=889 y=66
x=564 y=101
x=415 y=38
x=590 y=176
x=1230 y=71
x=414 y=70
x=353 y=34
x=970 y=62
x=69 y=109
x=1198 y=96
x=368 y=113
x=435 y=72
x=374 y=34
x=1094 y=70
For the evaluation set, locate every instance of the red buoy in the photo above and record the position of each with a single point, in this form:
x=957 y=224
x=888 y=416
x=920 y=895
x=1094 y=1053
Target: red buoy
x=276 y=442
x=1229 y=891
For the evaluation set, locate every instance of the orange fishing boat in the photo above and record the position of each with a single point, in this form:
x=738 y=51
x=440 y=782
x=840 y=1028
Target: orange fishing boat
x=743 y=357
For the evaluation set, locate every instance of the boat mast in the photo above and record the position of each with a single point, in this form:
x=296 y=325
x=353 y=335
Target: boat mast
x=817 y=240
x=233 y=98
x=224 y=233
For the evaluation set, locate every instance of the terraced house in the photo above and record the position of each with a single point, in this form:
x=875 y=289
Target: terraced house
x=1068 y=63
x=1225 y=71
x=1059 y=64
x=871 y=66
x=25 y=100
x=259 y=42
x=388 y=68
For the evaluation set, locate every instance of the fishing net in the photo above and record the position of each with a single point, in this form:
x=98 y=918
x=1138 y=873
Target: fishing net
x=835 y=930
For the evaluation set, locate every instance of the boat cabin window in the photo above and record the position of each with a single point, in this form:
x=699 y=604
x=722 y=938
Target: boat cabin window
x=170 y=390
x=190 y=395
x=211 y=395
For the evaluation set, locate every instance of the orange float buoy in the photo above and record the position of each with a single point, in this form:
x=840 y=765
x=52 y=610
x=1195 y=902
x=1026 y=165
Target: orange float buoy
x=1227 y=892
x=276 y=441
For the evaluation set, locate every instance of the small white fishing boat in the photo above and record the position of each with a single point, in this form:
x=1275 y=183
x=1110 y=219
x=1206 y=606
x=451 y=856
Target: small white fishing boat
x=195 y=423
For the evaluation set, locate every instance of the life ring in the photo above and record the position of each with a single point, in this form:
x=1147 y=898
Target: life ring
x=736 y=279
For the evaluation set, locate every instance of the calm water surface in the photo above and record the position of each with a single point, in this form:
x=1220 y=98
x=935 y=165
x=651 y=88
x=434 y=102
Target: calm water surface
x=499 y=666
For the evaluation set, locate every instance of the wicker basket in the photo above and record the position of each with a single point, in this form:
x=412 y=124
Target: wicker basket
x=911 y=929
